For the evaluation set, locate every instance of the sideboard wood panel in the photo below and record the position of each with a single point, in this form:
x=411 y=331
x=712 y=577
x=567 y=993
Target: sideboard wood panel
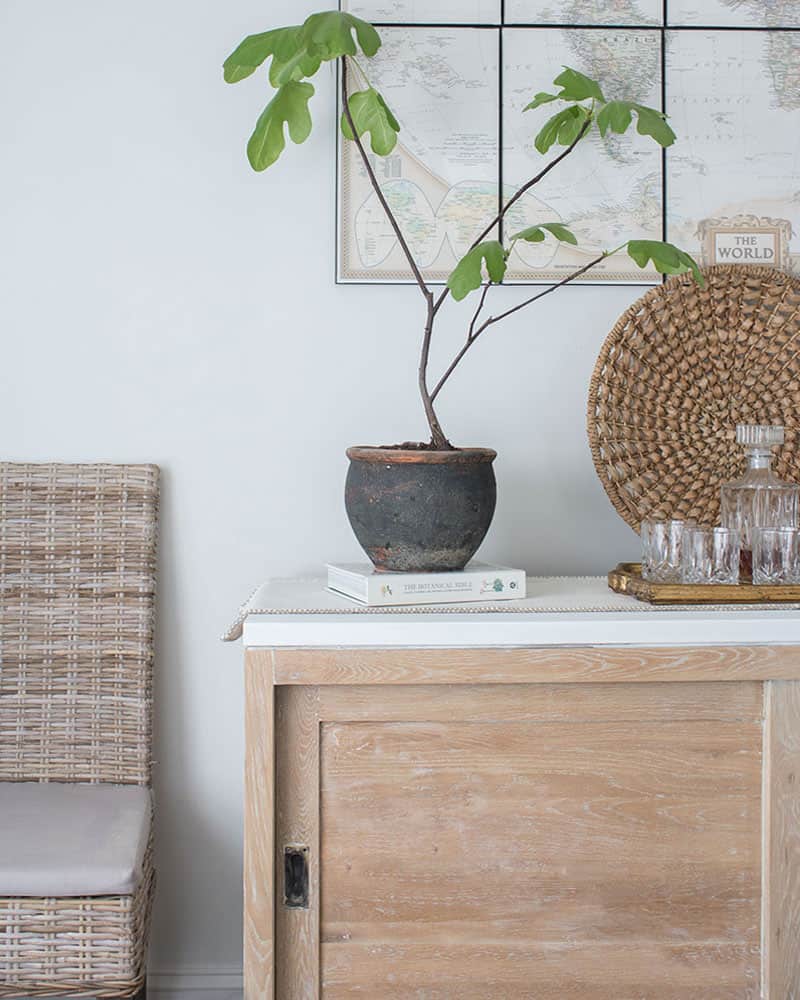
x=474 y=835
x=558 y=972
x=536 y=665
x=544 y=702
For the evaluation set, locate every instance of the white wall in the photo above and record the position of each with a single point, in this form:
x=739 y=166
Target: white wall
x=161 y=302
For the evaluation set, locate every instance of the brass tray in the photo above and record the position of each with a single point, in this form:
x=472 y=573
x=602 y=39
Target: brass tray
x=627 y=579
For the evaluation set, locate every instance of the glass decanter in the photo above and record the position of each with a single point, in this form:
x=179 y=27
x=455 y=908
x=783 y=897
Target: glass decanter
x=759 y=499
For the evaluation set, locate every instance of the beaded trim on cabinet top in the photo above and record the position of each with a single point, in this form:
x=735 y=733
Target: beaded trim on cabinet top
x=681 y=368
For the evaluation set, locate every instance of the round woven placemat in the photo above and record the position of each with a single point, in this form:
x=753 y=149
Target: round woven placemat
x=681 y=368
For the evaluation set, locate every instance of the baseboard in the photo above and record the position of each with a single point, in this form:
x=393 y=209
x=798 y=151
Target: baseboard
x=194 y=981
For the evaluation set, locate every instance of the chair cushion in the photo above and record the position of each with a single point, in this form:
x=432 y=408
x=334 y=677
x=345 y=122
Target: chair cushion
x=72 y=840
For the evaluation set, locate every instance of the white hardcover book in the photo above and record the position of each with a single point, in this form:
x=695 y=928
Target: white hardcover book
x=476 y=582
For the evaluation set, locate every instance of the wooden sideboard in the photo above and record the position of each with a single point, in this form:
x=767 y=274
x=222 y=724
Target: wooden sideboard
x=594 y=805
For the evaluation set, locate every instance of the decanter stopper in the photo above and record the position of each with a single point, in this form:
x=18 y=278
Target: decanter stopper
x=761 y=436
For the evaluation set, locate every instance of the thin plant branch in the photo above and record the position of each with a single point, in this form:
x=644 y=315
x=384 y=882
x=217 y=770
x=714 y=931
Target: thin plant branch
x=541 y=295
x=377 y=188
x=438 y=439
x=474 y=334
x=470 y=337
x=515 y=198
x=474 y=320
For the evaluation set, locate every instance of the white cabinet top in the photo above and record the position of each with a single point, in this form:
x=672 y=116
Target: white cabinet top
x=556 y=611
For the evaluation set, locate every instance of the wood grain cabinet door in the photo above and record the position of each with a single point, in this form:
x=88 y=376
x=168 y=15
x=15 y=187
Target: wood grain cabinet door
x=522 y=841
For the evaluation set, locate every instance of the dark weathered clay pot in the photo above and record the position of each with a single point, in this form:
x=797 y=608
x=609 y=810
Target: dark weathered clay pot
x=420 y=511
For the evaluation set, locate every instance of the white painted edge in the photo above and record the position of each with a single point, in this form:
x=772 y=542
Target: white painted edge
x=458 y=631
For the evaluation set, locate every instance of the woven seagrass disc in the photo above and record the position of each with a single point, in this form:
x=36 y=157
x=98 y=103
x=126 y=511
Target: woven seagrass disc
x=681 y=368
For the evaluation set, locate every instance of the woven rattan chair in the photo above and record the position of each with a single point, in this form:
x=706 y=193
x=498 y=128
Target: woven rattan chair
x=77 y=588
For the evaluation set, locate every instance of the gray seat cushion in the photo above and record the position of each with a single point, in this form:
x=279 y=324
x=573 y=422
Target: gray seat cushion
x=72 y=840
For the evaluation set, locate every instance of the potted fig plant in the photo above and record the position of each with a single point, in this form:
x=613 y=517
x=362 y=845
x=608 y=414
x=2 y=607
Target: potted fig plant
x=427 y=506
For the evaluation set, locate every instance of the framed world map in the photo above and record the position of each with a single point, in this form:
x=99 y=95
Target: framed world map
x=457 y=74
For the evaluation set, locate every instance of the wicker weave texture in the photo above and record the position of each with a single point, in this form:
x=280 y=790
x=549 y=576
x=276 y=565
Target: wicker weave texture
x=681 y=368
x=77 y=593
x=91 y=946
